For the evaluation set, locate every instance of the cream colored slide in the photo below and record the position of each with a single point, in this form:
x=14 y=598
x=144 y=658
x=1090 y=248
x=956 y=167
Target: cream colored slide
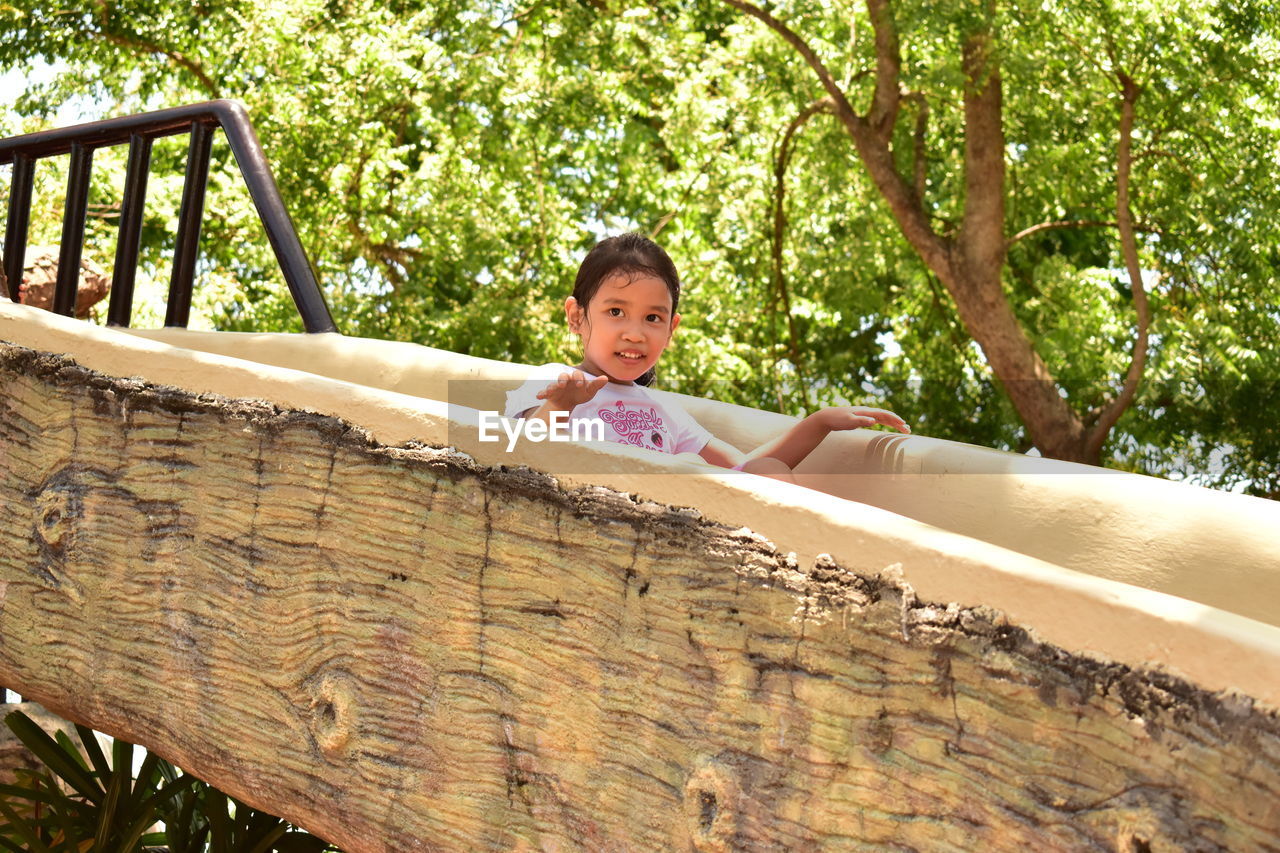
x=291 y=564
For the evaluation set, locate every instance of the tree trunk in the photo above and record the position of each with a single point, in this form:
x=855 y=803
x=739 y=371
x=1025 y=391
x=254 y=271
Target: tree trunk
x=974 y=276
x=971 y=264
x=399 y=649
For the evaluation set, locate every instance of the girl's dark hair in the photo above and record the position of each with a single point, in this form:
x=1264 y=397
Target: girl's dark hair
x=629 y=254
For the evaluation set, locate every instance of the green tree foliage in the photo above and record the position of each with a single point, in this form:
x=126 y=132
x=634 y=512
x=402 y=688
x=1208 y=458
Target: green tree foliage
x=448 y=163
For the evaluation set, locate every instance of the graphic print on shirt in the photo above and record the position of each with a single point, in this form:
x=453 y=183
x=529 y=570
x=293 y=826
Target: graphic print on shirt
x=636 y=426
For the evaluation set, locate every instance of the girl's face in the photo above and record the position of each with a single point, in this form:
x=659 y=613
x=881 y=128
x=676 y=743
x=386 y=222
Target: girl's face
x=625 y=327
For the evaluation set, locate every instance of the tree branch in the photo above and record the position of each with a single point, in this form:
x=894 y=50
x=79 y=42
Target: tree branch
x=884 y=103
x=919 y=154
x=780 y=291
x=1075 y=223
x=1086 y=55
x=1129 y=248
x=958 y=340
x=874 y=152
x=666 y=218
x=104 y=211
x=381 y=254
x=801 y=47
x=140 y=45
x=982 y=232
x=143 y=46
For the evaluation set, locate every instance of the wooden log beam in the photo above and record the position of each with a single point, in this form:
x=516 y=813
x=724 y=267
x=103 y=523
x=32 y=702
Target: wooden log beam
x=400 y=649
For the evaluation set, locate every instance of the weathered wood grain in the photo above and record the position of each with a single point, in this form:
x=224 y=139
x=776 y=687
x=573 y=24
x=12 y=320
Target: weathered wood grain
x=399 y=649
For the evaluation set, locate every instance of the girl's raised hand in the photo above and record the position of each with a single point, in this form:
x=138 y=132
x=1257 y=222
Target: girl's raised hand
x=854 y=417
x=572 y=389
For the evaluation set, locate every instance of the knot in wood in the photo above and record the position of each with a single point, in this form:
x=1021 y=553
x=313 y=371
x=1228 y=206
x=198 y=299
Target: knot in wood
x=711 y=808
x=57 y=520
x=333 y=714
x=55 y=511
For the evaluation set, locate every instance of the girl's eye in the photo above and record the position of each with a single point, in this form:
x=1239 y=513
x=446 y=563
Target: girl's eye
x=654 y=318
x=614 y=312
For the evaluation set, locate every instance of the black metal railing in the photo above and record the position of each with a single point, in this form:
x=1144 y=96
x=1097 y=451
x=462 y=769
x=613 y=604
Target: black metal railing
x=139 y=131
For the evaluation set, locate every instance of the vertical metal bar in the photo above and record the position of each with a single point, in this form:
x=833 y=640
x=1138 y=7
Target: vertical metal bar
x=190 y=215
x=131 y=208
x=15 y=233
x=297 y=270
x=64 y=293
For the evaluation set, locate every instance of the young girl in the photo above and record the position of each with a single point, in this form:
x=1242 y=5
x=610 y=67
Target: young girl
x=623 y=308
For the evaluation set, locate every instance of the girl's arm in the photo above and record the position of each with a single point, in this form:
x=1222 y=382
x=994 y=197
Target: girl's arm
x=795 y=444
x=799 y=441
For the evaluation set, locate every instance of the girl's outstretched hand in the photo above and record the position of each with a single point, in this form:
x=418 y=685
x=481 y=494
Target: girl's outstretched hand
x=792 y=447
x=853 y=417
x=571 y=389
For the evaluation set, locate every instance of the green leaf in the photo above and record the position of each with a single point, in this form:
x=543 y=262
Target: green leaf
x=130 y=837
x=32 y=794
x=25 y=831
x=146 y=780
x=54 y=757
x=108 y=811
x=9 y=845
x=171 y=790
x=122 y=757
x=264 y=844
x=215 y=812
x=69 y=746
x=182 y=831
x=92 y=749
x=72 y=819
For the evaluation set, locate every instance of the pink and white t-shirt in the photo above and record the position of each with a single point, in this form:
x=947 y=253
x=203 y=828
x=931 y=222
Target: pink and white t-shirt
x=630 y=413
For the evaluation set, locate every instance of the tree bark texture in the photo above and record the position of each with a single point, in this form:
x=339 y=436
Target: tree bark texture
x=399 y=649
